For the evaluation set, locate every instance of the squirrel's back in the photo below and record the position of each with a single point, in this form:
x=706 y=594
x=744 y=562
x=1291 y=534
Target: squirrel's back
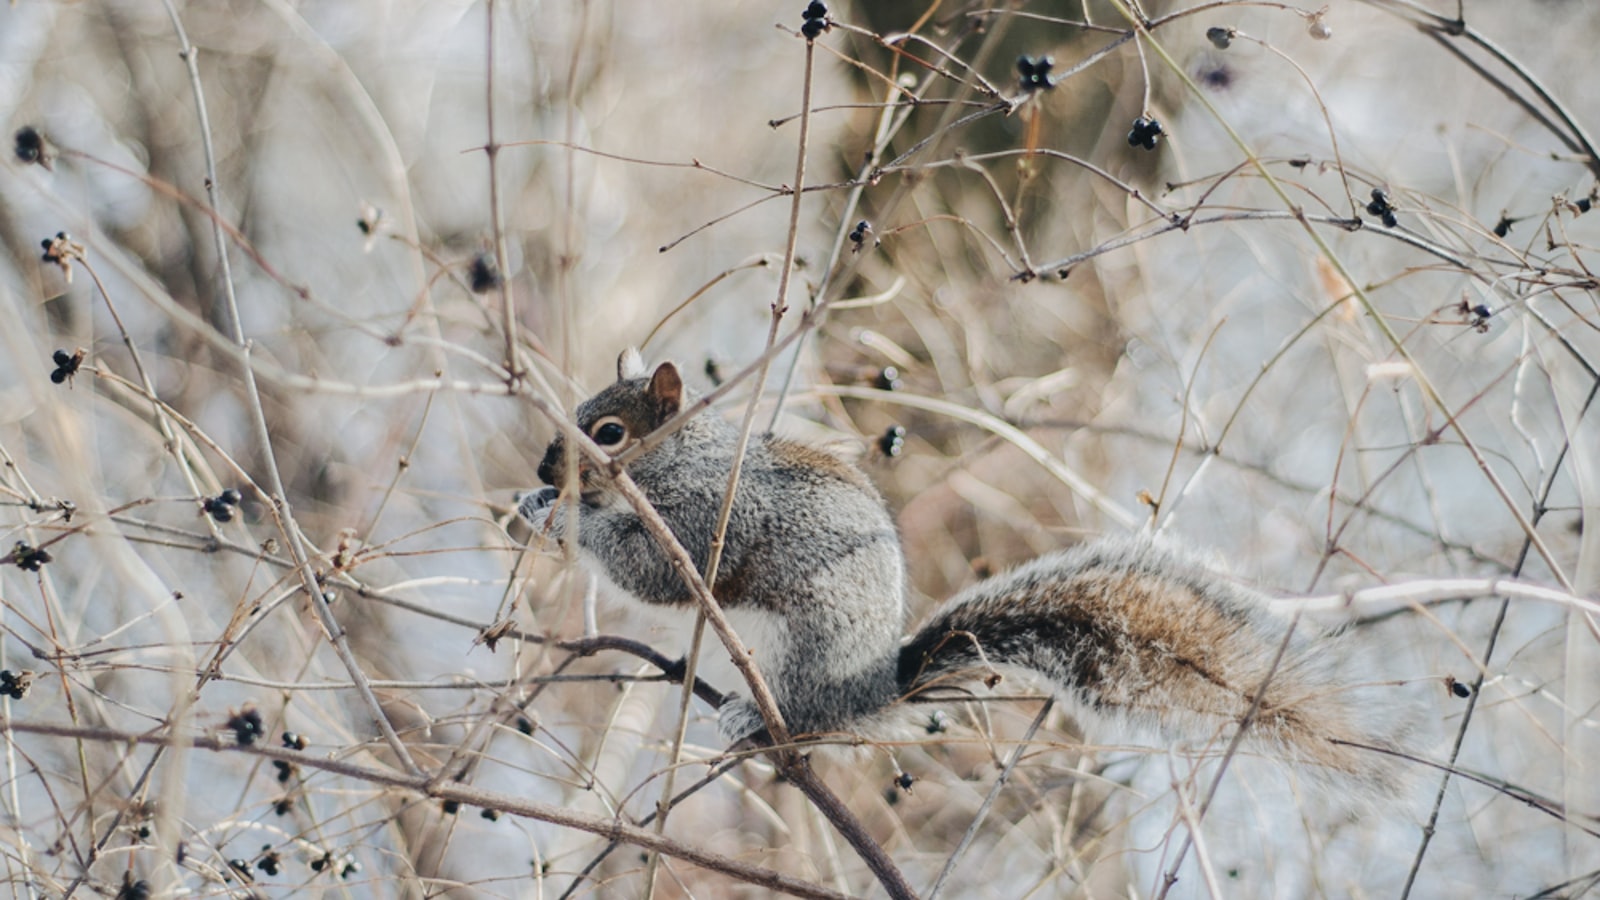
x=1138 y=634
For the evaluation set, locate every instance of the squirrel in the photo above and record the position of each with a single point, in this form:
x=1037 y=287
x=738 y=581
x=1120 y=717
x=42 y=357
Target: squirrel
x=1122 y=629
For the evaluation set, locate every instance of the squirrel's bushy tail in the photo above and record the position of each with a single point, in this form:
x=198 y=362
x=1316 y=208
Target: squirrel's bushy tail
x=1140 y=635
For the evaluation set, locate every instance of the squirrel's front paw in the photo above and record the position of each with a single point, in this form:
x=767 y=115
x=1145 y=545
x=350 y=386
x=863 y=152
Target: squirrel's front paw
x=537 y=507
x=738 y=719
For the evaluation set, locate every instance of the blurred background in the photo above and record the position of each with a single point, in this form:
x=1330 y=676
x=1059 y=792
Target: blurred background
x=1228 y=337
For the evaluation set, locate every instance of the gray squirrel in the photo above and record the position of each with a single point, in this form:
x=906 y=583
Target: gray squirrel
x=1123 y=629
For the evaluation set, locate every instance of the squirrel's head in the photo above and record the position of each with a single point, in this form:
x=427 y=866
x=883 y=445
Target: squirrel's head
x=617 y=417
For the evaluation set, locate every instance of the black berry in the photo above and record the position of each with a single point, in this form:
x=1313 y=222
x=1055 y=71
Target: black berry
x=1146 y=132
x=29 y=558
x=246 y=726
x=893 y=441
x=484 y=274
x=30 y=145
x=1035 y=72
x=15 y=684
x=216 y=509
x=1380 y=203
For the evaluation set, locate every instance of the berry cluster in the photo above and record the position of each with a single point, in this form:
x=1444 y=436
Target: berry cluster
x=246 y=726
x=816 y=16
x=62 y=250
x=1035 y=72
x=1476 y=315
x=1382 y=208
x=858 y=234
x=28 y=557
x=15 y=684
x=893 y=441
x=1145 y=133
x=326 y=861
x=286 y=769
x=221 y=506
x=66 y=365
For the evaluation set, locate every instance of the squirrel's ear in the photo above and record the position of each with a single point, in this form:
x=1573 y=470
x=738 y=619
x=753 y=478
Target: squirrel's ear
x=666 y=386
x=630 y=364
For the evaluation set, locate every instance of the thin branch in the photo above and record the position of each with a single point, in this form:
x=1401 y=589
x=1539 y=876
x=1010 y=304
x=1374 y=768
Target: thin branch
x=469 y=795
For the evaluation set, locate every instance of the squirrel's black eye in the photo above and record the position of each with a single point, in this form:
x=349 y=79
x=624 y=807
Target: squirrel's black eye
x=609 y=434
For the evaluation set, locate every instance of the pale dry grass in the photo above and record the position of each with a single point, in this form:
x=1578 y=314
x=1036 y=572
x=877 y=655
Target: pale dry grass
x=1088 y=337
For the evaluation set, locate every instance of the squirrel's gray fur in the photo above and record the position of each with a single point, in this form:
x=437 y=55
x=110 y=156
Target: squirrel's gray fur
x=1124 y=629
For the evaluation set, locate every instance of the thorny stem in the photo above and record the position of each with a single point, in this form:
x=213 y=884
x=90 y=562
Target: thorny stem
x=278 y=498
x=1539 y=509
x=835 y=274
x=776 y=727
x=796 y=767
x=669 y=778
x=1442 y=29
x=1377 y=317
x=1018 y=438
x=612 y=828
x=491 y=150
x=1222 y=766
x=988 y=800
x=177 y=447
x=717 y=771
